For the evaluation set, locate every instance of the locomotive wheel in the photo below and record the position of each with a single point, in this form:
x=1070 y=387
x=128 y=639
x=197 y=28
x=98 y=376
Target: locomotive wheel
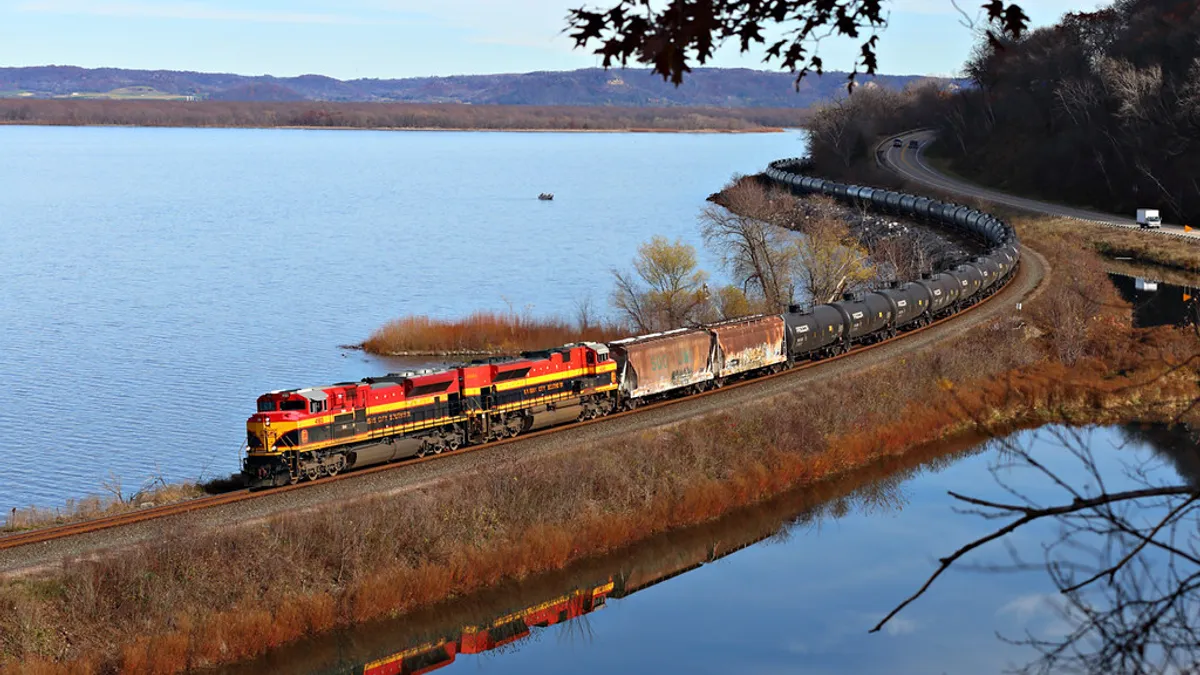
x=336 y=466
x=453 y=443
x=312 y=471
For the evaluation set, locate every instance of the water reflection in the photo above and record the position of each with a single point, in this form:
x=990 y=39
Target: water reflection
x=1156 y=302
x=498 y=621
x=1124 y=558
x=797 y=583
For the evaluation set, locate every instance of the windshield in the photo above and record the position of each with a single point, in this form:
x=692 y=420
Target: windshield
x=266 y=406
x=293 y=405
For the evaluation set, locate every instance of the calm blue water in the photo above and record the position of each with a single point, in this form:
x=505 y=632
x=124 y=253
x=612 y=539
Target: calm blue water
x=803 y=600
x=153 y=282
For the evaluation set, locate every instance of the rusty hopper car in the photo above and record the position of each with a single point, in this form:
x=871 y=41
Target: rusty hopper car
x=746 y=345
x=663 y=362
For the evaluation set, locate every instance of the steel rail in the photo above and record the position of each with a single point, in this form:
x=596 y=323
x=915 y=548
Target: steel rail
x=46 y=534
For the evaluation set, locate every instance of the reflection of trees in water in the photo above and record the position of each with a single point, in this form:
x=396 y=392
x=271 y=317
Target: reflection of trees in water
x=1185 y=457
x=1126 y=558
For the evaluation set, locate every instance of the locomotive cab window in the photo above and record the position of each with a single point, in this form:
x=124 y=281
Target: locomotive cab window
x=591 y=359
x=316 y=406
x=266 y=406
x=292 y=405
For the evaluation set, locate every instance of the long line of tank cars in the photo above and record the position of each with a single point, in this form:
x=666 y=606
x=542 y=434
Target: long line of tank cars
x=304 y=434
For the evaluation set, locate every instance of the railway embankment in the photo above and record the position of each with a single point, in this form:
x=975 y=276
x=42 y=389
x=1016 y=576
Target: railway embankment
x=193 y=597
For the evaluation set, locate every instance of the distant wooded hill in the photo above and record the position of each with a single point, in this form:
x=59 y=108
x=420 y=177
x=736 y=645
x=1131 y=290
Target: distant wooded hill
x=719 y=87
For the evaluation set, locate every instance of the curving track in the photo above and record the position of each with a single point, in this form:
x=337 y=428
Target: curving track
x=33 y=550
x=911 y=165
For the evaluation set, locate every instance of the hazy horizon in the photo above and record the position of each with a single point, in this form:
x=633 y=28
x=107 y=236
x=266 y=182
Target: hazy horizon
x=400 y=39
x=839 y=73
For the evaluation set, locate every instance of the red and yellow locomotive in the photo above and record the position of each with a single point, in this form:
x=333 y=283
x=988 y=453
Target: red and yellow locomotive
x=308 y=433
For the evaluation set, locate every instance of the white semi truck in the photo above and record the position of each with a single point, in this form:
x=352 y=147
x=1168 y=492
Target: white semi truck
x=1148 y=218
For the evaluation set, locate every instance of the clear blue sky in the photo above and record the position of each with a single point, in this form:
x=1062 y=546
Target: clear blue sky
x=400 y=38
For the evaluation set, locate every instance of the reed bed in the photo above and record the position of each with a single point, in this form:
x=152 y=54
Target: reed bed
x=483 y=333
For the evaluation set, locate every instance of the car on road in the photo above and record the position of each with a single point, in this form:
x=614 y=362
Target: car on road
x=897 y=143
x=1148 y=218
x=913 y=145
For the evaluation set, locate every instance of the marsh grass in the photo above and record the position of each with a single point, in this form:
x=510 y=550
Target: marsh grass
x=483 y=333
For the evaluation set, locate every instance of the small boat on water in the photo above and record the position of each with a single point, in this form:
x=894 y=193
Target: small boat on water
x=546 y=196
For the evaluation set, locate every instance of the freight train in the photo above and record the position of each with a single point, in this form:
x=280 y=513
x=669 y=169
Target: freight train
x=311 y=432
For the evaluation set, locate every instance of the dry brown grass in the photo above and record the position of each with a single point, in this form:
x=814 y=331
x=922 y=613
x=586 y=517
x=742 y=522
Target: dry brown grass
x=98 y=506
x=1182 y=254
x=196 y=598
x=483 y=333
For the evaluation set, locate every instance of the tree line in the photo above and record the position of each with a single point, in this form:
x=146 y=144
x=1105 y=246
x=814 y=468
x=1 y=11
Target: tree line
x=1100 y=110
x=389 y=115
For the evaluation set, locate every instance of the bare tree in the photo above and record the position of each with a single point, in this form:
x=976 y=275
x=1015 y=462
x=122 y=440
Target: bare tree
x=829 y=261
x=757 y=251
x=730 y=302
x=584 y=313
x=832 y=125
x=665 y=290
x=1126 y=561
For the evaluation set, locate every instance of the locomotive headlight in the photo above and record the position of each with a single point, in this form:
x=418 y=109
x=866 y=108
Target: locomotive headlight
x=267 y=422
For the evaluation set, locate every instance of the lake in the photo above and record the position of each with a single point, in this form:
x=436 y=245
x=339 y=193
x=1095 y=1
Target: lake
x=154 y=282
x=794 y=586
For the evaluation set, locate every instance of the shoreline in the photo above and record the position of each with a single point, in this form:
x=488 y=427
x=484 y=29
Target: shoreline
x=625 y=130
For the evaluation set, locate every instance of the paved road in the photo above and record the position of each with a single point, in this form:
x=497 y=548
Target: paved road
x=912 y=165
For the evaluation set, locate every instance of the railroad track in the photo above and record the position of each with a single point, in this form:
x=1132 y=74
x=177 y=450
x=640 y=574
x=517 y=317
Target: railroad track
x=47 y=534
